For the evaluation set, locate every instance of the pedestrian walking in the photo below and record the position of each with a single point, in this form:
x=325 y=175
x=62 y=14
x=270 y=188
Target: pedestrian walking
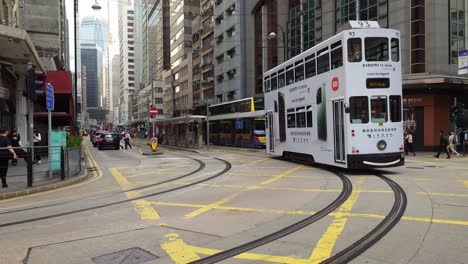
x=409 y=143
x=5 y=154
x=451 y=144
x=443 y=143
x=37 y=138
x=15 y=140
x=127 y=140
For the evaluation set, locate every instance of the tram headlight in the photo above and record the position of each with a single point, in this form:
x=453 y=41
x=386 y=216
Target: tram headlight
x=382 y=145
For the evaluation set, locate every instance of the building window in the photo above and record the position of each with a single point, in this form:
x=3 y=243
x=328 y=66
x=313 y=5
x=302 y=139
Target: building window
x=301 y=28
x=457 y=28
x=348 y=10
x=418 y=37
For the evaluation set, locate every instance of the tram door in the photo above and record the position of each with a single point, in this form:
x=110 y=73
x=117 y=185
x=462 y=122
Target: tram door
x=271 y=131
x=338 y=130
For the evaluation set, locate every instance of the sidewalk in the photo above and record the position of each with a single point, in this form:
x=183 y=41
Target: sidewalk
x=17 y=179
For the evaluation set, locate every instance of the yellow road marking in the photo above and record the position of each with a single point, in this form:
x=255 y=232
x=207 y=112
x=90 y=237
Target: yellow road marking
x=178 y=250
x=327 y=242
x=212 y=206
x=444 y=194
x=181 y=252
x=283 y=174
x=265 y=175
x=119 y=178
x=142 y=207
x=253 y=162
x=463 y=181
x=97 y=176
x=153 y=172
x=299 y=212
x=146 y=210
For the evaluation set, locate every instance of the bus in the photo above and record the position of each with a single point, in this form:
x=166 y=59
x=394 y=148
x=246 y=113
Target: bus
x=238 y=123
x=339 y=103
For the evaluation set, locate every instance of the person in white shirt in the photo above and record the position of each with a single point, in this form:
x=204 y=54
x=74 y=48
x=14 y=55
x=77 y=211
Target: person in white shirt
x=451 y=145
x=409 y=143
x=127 y=140
x=37 y=141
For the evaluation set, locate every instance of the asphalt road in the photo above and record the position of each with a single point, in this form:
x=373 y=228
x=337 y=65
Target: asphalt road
x=181 y=206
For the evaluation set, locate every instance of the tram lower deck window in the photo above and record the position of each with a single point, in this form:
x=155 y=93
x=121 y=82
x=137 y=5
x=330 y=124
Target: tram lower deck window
x=359 y=109
x=395 y=108
x=379 y=109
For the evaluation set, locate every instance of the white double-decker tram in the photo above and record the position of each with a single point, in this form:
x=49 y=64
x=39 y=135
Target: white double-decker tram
x=340 y=102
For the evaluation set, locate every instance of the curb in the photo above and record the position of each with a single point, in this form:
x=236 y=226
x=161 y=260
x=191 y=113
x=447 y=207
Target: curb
x=45 y=187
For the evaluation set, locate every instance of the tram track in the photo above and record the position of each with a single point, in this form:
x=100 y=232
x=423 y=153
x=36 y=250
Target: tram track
x=201 y=166
x=344 y=256
x=345 y=193
x=367 y=241
x=227 y=167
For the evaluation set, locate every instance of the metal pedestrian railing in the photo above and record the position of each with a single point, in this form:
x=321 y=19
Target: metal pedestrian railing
x=41 y=162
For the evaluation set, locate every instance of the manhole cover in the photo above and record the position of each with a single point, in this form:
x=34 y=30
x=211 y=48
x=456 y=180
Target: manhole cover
x=127 y=256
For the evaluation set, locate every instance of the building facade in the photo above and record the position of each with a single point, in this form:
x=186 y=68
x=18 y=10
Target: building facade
x=127 y=62
x=177 y=87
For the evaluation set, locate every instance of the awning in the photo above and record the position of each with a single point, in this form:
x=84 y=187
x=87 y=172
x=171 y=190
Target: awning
x=17 y=47
x=432 y=79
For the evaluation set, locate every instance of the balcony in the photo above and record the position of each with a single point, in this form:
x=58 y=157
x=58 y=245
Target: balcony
x=207 y=48
x=208 y=66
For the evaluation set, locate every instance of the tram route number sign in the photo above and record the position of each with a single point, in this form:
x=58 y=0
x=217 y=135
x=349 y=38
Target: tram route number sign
x=153 y=111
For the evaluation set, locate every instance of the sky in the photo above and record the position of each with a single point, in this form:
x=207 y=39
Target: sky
x=86 y=10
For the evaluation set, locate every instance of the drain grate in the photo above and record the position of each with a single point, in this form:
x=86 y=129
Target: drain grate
x=128 y=256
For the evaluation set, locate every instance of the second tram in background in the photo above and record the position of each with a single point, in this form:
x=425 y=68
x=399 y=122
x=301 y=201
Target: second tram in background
x=238 y=123
x=340 y=102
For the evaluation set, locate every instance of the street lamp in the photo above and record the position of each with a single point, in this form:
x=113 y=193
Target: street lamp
x=96 y=6
x=273 y=35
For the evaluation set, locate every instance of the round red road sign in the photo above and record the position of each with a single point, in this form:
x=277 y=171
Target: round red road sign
x=335 y=84
x=153 y=111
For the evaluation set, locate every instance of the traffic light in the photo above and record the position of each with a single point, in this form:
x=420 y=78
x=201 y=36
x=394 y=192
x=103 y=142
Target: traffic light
x=35 y=81
x=453 y=111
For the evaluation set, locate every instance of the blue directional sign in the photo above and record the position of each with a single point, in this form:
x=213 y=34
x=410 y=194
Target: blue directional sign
x=50 y=100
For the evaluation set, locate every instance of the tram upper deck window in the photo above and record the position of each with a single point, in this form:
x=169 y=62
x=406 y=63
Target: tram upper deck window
x=336 y=55
x=281 y=80
x=376 y=49
x=379 y=113
x=289 y=75
x=274 y=83
x=323 y=61
x=395 y=45
x=310 y=66
x=299 y=70
x=354 y=50
x=395 y=108
x=359 y=109
x=267 y=84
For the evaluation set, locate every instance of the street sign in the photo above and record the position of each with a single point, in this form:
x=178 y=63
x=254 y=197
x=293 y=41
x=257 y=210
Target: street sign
x=50 y=97
x=153 y=111
x=462 y=62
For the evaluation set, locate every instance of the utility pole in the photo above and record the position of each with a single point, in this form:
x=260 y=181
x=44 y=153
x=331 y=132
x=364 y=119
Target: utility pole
x=207 y=125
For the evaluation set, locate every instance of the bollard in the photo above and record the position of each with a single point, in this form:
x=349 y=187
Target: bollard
x=62 y=163
x=29 y=167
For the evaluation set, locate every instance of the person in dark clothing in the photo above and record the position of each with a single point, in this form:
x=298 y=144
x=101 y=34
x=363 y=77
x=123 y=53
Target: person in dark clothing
x=15 y=142
x=5 y=154
x=443 y=143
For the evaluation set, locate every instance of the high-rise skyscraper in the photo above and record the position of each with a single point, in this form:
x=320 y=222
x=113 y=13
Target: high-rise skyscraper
x=127 y=61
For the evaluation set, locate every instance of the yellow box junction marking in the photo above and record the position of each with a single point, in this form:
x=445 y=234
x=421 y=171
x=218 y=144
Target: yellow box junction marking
x=154 y=172
x=143 y=207
x=244 y=188
x=253 y=162
x=283 y=175
x=212 y=206
x=181 y=252
x=463 y=181
x=325 y=245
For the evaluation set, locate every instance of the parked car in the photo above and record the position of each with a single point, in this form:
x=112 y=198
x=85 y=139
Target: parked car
x=108 y=140
x=95 y=137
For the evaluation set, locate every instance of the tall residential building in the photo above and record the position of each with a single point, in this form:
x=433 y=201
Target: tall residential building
x=233 y=52
x=159 y=41
x=202 y=56
x=127 y=61
x=177 y=88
